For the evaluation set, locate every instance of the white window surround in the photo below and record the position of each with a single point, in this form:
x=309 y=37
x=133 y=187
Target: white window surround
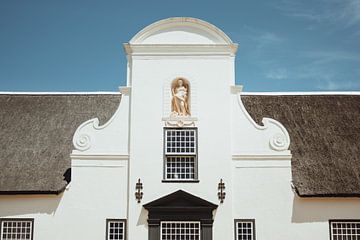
x=244 y=229
x=344 y=229
x=180 y=154
x=16 y=229
x=115 y=229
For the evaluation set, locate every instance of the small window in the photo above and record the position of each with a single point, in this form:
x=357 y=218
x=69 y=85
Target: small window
x=344 y=229
x=244 y=229
x=14 y=229
x=180 y=149
x=115 y=229
x=180 y=230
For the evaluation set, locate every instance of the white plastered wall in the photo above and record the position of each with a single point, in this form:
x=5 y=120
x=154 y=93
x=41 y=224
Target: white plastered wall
x=262 y=188
x=98 y=190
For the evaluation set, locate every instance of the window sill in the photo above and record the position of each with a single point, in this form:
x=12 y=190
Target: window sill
x=180 y=181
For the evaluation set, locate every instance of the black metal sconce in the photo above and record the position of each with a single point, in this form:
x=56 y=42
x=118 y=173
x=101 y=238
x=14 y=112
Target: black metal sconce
x=221 y=191
x=139 y=194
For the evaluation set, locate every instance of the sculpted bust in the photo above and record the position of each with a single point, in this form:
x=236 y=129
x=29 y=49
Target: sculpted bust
x=180 y=97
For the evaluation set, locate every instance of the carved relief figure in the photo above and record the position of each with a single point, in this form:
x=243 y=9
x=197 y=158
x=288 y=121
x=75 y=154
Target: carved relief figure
x=180 y=97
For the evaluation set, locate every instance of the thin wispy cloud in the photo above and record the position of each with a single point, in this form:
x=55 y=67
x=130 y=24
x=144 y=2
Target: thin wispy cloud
x=323 y=57
x=343 y=13
x=260 y=39
x=326 y=60
x=335 y=85
x=318 y=67
x=277 y=74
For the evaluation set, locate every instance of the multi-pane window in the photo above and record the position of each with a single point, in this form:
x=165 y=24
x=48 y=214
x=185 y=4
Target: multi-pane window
x=180 y=154
x=180 y=230
x=180 y=141
x=16 y=229
x=345 y=230
x=115 y=229
x=245 y=229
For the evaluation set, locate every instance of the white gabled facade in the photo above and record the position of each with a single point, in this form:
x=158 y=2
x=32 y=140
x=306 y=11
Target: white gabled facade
x=252 y=160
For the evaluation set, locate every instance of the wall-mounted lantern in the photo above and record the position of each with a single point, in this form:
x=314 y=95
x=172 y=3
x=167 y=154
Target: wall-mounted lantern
x=221 y=191
x=139 y=194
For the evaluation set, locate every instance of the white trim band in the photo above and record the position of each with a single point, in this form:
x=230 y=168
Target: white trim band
x=99 y=156
x=301 y=93
x=261 y=157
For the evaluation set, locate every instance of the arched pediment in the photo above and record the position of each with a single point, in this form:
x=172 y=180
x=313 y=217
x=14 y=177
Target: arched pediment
x=181 y=30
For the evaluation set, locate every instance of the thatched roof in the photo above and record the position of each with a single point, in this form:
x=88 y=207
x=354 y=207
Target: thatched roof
x=36 y=137
x=325 y=140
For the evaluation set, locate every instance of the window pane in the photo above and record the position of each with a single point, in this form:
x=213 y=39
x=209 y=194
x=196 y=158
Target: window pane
x=180 y=141
x=16 y=229
x=180 y=167
x=346 y=230
x=116 y=229
x=244 y=230
x=180 y=230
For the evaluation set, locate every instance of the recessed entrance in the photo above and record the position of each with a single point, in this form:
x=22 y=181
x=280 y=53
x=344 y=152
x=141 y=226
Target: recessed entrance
x=180 y=215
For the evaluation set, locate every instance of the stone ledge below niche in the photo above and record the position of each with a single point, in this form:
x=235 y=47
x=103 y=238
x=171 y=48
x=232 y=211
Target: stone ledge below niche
x=179 y=121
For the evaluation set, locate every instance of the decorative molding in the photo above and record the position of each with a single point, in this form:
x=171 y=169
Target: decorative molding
x=99 y=156
x=180 y=49
x=319 y=93
x=236 y=89
x=179 y=121
x=84 y=135
x=195 y=24
x=83 y=141
x=59 y=93
x=261 y=157
x=279 y=141
x=97 y=163
x=125 y=90
x=263 y=164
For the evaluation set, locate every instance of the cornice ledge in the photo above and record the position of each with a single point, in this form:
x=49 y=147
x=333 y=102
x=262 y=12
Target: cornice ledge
x=236 y=89
x=261 y=156
x=125 y=90
x=180 y=49
x=99 y=156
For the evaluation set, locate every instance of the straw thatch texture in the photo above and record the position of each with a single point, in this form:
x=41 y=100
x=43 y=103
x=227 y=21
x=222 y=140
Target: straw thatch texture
x=325 y=134
x=36 y=137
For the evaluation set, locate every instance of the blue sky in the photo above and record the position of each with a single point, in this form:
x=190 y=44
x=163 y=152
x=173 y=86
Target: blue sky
x=284 y=45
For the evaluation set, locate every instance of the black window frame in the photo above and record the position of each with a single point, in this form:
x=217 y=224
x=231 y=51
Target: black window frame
x=108 y=220
x=18 y=219
x=196 y=155
x=342 y=221
x=236 y=221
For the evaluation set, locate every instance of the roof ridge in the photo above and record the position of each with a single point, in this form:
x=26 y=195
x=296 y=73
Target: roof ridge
x=303 y=93
x=59 y=93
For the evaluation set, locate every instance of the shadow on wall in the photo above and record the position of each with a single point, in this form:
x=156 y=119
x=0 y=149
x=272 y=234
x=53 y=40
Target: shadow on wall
x=18 y=205
x=306 y=210
x=142 y=220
